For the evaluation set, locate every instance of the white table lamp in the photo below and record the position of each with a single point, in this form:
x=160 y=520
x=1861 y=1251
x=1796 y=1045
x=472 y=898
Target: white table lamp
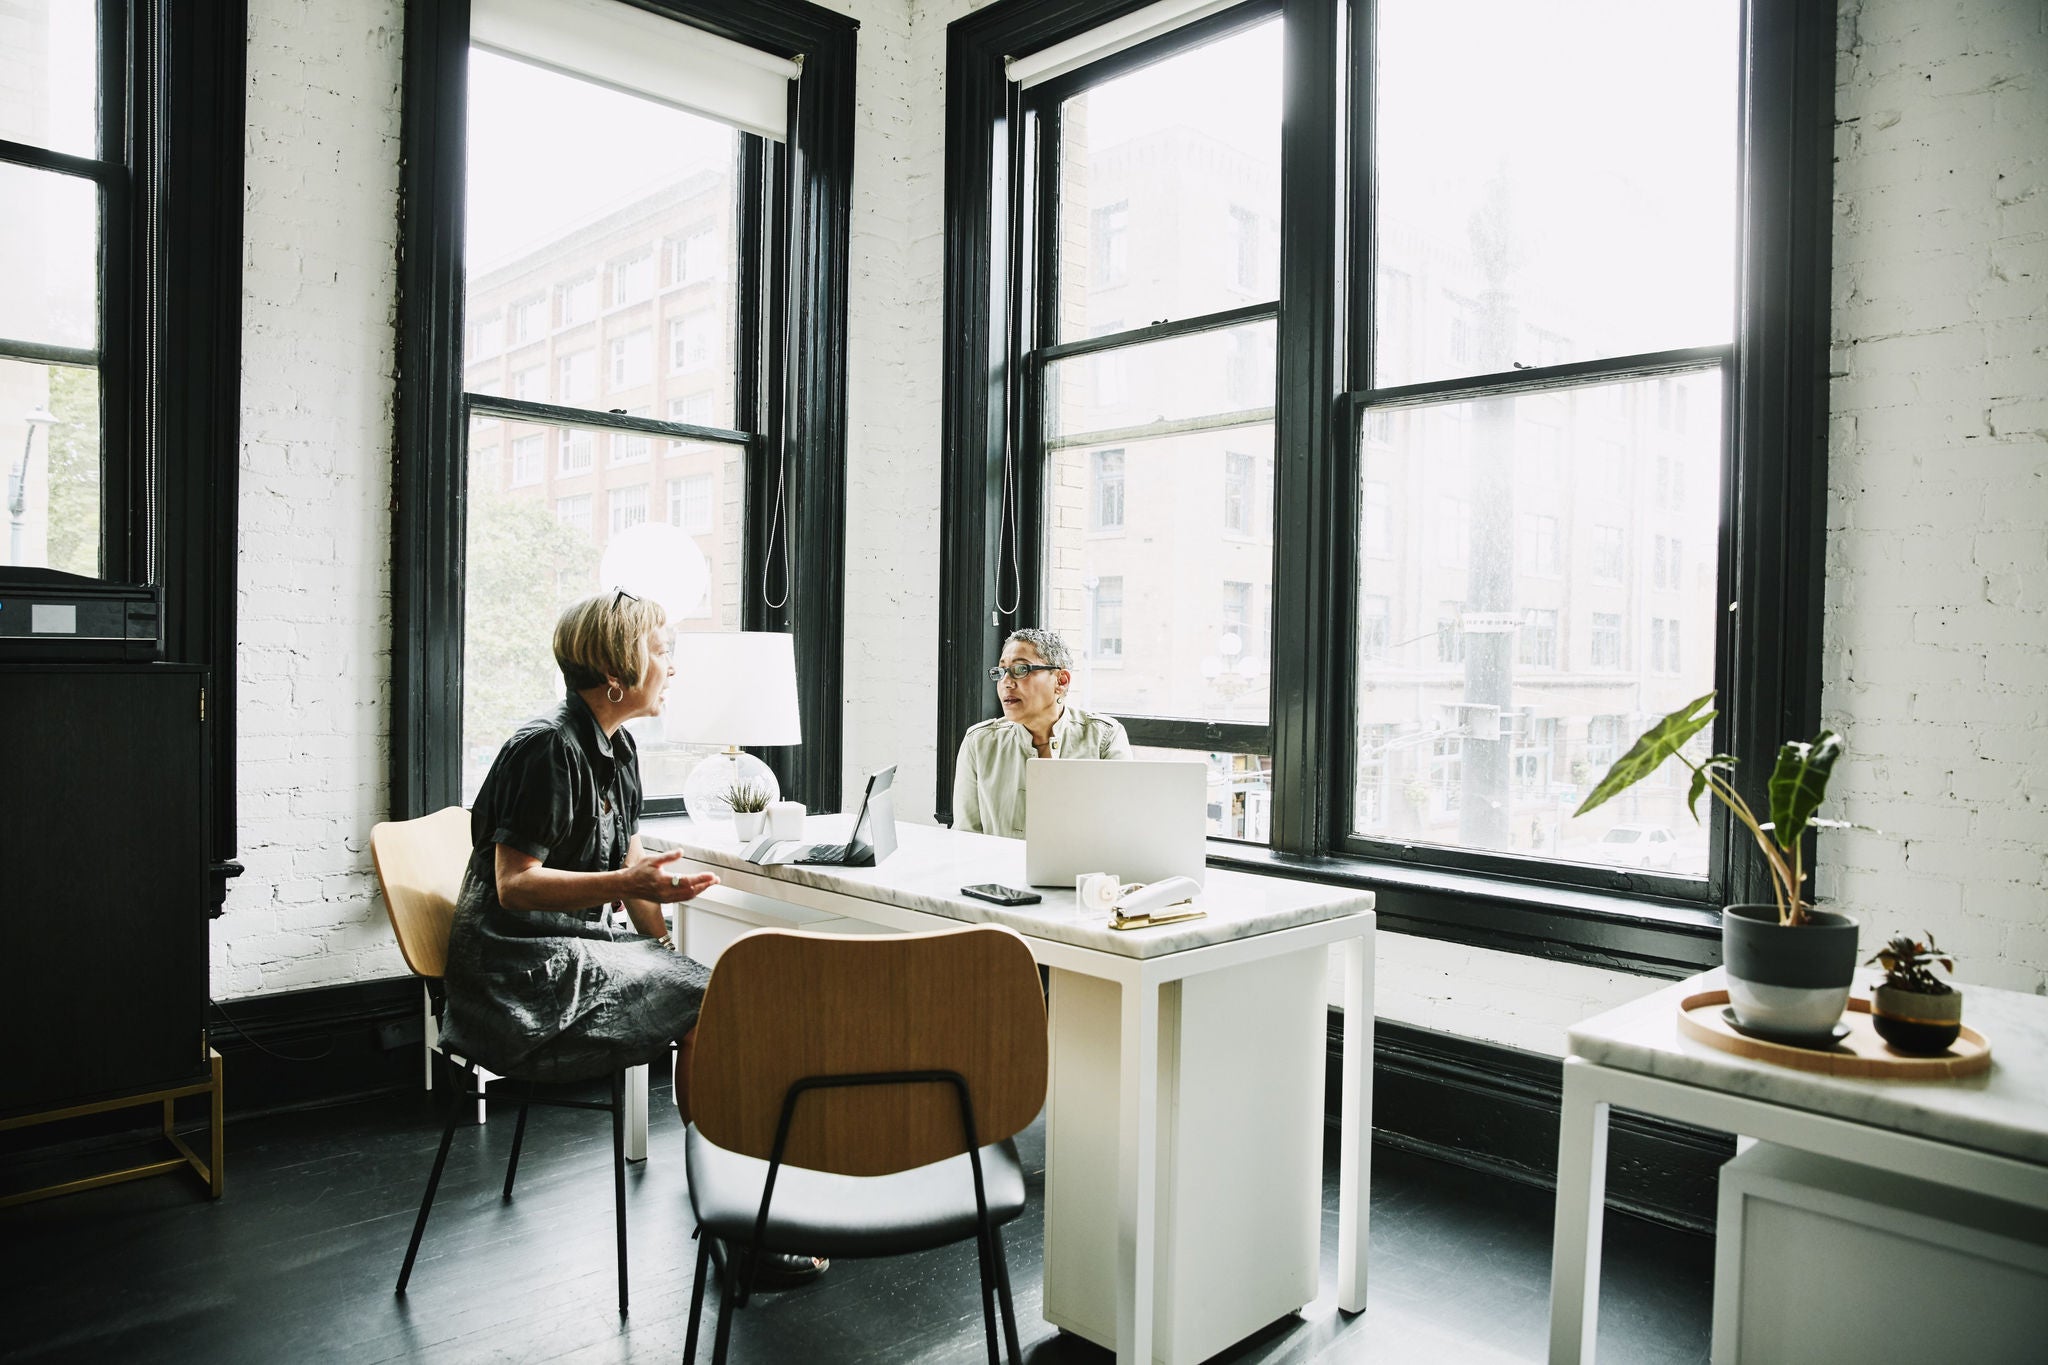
x=732 y=688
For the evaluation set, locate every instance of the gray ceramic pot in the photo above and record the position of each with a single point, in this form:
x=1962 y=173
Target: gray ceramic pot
x=1914 y=1022
x=1790 y=982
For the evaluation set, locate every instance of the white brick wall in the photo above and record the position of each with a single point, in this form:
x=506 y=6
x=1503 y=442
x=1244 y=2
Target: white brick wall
x=1938 y=512
x=315 y=605
x=1934 y=637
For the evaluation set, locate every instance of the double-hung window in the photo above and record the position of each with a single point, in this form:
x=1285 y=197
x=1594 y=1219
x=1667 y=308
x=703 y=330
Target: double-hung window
x=1518 y=453
x=561 y=108
x=120 y=323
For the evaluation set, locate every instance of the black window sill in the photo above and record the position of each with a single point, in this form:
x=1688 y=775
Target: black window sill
x=1641 y=935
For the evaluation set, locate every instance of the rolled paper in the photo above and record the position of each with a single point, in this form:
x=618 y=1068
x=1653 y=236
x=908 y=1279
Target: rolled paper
x=1097 y=891
x=786 y=819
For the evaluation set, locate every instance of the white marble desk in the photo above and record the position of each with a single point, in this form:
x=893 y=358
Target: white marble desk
x=1113 y=995
x=1986 y=1133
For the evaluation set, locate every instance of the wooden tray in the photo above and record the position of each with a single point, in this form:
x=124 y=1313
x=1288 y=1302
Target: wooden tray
x=1861 y=1054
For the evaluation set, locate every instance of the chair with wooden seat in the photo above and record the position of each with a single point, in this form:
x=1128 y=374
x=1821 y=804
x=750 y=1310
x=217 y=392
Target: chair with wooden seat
x=420 y=865
x=875 y=1121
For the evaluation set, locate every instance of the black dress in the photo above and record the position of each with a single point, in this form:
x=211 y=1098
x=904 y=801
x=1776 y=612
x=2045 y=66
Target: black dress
x=556 y=995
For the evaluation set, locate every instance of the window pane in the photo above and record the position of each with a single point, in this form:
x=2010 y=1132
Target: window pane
x=1523 y=628
x=1208 y=373
x=536 y=537
x=1170 y=187
x=1160 y=573
x=50 y=441
x=49 y=237
x=49 y=82
x=599 y=291
x=1571 y=194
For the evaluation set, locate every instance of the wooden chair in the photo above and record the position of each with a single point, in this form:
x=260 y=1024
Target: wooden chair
x=914 y=1061
x=420 y=864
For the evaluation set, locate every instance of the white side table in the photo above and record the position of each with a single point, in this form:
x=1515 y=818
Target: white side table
x=1987 y=1134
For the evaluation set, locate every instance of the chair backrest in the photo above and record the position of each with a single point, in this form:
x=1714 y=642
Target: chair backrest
x=420 y=864
x=784 y=1005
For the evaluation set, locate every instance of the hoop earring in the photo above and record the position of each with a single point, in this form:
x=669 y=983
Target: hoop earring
x=614 y=694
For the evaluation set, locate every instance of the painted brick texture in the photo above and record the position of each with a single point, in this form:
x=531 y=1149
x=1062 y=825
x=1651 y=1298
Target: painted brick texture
x=1938 y=510
x=318 y=292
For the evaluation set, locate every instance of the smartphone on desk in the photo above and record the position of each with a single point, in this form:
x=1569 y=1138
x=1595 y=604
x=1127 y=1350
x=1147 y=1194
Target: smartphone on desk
x=1001 y=895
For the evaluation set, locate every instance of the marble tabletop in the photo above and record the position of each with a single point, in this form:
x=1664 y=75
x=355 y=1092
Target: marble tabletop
x=2004 y=1110
x=931 y=864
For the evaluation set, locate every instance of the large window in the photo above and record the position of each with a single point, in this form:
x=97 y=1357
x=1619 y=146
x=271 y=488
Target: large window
x=120 y=323
x=647 y=203
x=1538 y=397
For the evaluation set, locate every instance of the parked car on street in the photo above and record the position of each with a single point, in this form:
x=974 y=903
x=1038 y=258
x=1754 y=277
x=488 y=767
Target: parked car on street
x=1649 y=846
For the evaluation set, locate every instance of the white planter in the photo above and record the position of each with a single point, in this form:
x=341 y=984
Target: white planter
x=748 y=824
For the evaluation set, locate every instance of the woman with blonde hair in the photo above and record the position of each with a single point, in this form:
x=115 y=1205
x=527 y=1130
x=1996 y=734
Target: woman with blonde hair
x=538 y=983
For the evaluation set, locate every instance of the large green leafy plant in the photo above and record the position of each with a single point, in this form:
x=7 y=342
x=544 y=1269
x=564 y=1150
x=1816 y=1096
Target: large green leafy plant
x=1798 y=783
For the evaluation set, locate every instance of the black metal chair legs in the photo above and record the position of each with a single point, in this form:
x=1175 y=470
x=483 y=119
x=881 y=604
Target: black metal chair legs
x=454 y=1103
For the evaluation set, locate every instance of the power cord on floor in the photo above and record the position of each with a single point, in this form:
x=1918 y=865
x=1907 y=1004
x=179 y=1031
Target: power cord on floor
x=254 y=1042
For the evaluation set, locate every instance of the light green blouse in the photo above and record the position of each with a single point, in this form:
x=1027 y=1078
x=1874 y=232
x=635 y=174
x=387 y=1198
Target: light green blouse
x=988 y=779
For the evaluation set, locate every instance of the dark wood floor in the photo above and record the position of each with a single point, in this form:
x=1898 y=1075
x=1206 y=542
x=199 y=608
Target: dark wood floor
x=297 y=1262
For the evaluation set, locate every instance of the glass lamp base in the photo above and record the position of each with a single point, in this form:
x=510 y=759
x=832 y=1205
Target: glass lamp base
x=707 y=789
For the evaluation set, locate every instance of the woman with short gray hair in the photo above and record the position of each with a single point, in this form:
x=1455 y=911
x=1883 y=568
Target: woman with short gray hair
x=1031 y=681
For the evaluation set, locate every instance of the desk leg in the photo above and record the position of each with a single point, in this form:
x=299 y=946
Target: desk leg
x=1581 y=1202
x=636 y=1113
x=1137 y=1183
x=1354 y=1157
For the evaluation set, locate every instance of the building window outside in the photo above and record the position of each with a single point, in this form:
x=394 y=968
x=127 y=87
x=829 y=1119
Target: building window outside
x=632 y=278
x=1609 y=557
x=1374 y=627
x=528 y=320
x=1107 y=637
x=689 y=503
x=693 y=341
x=693 y=256
x=1108 y=499
x=1667 y=572
x=576 y=378
x=632 y=359
x=1539 y=545
x=1239 y=495
x=573 y=512
x=530 y=385
x=1605 y=738
x=1539 y=637
x=577 y=447
x=576 y=301
x=1244 y=240
x=486 y=336
x=1604 y=642
x=1664 y=652
x=1112 y=244
x=631 y=447
x=1450 y=633
x=628 y=507
x=528 y=454
x=1110 y=370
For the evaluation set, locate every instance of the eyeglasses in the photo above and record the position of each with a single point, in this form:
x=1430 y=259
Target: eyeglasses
x=1019 y=671
x=622 y=596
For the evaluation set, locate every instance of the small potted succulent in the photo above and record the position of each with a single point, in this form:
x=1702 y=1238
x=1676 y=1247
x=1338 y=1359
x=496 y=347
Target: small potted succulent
x=1789 y=965
x=1913 y=1009
x=749 y=803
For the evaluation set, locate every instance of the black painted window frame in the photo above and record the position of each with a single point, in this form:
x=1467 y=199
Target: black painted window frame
x=798 y=391
x=1774 y=485
x=172 y=77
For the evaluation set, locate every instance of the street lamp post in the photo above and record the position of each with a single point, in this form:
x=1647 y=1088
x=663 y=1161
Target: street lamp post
x=17 y=483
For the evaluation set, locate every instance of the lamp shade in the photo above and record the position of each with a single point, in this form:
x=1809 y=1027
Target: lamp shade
x=734 y=688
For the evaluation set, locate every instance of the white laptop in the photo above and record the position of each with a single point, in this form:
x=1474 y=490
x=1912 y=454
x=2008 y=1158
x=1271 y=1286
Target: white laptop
x=1142 y=821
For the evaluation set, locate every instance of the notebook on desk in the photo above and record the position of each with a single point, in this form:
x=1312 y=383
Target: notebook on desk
x=873 y=837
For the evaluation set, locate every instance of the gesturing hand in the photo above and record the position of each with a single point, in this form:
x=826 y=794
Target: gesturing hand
x=654 y=880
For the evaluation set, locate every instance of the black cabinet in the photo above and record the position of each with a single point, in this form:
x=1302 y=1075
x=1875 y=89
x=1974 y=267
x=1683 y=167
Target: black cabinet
x=103 y=881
